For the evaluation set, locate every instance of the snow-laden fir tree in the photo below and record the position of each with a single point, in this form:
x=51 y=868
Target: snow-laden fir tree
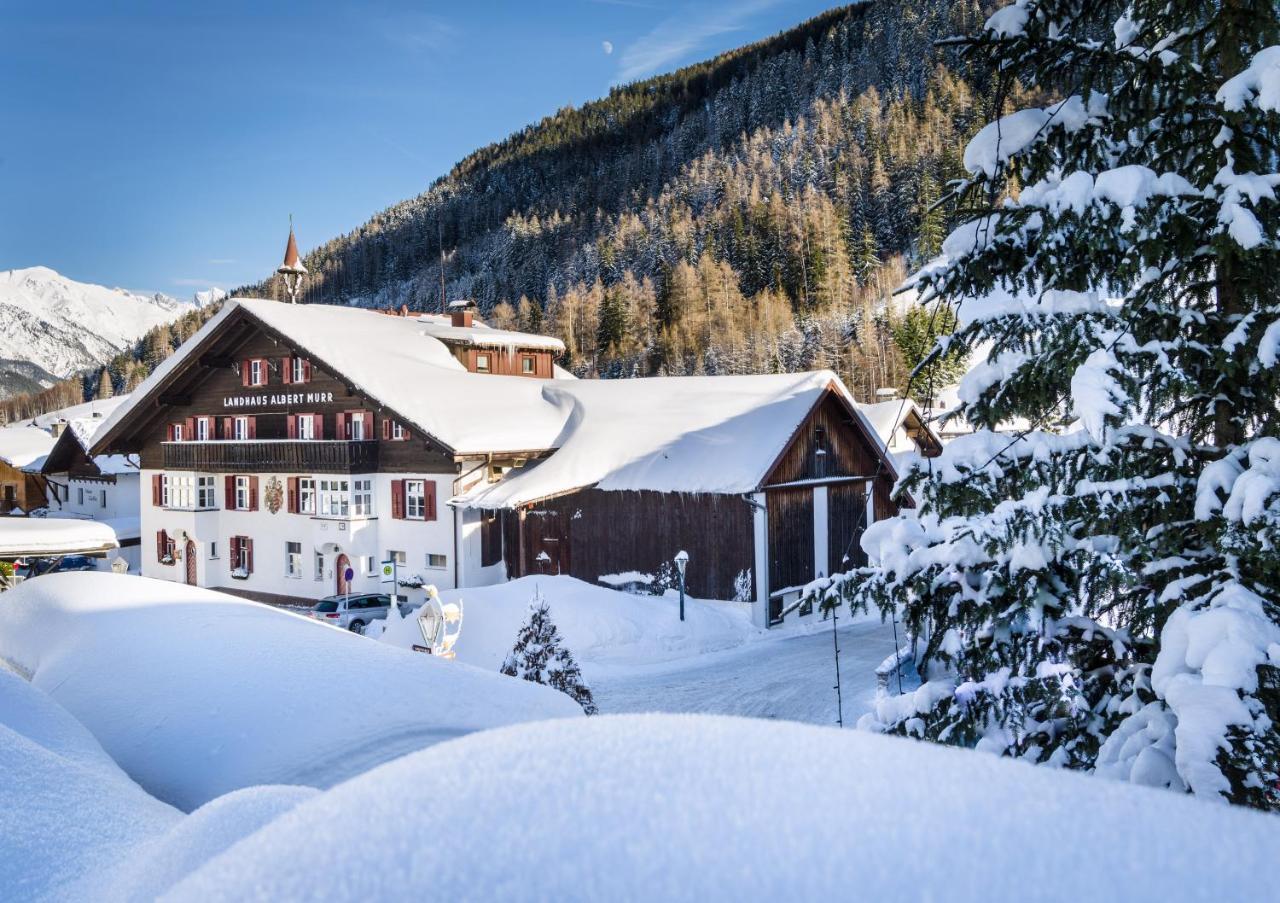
x=540 y=656
x=1102 y=589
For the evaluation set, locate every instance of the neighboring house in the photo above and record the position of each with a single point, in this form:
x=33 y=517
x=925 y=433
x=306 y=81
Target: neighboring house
x=22 y=453
x=102 y=488
x=902 y=427
x=287 y=450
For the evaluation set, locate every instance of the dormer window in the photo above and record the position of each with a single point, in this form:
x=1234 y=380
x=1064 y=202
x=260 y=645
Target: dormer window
x=482 y=363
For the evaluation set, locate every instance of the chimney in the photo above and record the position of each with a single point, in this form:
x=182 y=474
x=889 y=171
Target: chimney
x=461 y=312
x=56 y=428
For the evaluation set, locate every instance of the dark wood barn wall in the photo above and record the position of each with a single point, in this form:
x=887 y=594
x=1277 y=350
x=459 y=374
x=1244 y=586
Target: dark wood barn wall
x=592 y=533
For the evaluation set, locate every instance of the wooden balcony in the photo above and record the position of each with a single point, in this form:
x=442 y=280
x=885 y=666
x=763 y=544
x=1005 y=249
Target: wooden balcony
x=273 y=456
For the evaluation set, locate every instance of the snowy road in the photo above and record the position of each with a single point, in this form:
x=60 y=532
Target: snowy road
x=785 y=677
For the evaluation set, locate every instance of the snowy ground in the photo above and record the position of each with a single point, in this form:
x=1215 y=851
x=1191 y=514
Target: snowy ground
x=788 y=676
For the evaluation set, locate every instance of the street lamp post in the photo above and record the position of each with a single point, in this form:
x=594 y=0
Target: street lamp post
x=682 y=562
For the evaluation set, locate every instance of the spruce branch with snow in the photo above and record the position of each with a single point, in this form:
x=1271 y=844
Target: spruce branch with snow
x=1101 y=591
x=540 y=656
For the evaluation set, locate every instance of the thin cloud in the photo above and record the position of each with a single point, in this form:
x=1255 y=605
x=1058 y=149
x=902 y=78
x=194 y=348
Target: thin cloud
x=677 y=38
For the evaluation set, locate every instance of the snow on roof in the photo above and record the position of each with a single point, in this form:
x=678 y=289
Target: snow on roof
x=24 y=446
x=98 y=409
x=21 y=536
x=123 y=527
x=196 y=693
x=646 y=806
x=715 y=434
x=479 y=334
x=394 y=361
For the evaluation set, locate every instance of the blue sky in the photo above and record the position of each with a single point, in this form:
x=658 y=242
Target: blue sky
x=162 y=146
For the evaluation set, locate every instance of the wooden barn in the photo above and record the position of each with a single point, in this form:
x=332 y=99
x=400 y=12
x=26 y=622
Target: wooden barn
x=767 y=482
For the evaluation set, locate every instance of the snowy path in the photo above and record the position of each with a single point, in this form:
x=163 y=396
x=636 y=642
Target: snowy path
x=788 y=677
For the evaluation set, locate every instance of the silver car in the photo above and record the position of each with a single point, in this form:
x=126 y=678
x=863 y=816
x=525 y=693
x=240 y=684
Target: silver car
x=352 y=612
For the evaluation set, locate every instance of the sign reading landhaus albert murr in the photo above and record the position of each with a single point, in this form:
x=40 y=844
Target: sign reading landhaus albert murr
x=245 y=401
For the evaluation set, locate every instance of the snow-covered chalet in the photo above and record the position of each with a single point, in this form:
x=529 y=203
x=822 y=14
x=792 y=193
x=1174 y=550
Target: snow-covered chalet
x=286 y=450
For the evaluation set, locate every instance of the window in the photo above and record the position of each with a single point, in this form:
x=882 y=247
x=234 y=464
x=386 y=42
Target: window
x=306 y=426
x=102 y=498
x=333 y=498
x=482 y=363
x=241 y=557
x=202 y=429
x=367 y=567
x=306 y=495
x=204 y=493
x=439 y=562
x=160 y=490
x=240 y=428
x=257 y=373
x=415 y=500
x=293 y=559
x=181 y=491
x=242 y=493
x=398 y=557
x=165 y=547
x=175 y=432
x=213 y=551
x=357 y=427
x=319 y=565
x=397 y=431
x=79 y=495
x=362 y=498
x=526 y=364
x=299 y=370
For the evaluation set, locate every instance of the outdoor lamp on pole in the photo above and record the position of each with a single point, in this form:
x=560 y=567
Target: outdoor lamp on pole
x=682 y=562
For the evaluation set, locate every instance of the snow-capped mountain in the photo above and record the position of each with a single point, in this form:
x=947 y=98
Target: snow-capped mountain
x=64 y=326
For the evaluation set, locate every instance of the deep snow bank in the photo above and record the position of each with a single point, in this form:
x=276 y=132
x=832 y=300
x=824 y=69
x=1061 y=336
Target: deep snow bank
x=599 y=625
x=699 y=808
x=195 y=693
x=66 y=810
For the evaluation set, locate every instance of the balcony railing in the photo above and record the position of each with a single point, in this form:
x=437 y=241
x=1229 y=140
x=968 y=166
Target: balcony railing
x=272 y=455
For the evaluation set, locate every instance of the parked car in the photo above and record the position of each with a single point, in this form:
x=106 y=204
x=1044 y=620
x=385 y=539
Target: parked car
x=36 y=567
x=354 y=612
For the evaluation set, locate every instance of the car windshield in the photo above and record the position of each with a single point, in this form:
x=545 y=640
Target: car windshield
x=326 y=605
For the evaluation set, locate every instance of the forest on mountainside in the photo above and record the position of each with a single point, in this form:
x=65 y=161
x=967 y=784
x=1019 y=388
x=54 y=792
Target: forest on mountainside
x=747 y=214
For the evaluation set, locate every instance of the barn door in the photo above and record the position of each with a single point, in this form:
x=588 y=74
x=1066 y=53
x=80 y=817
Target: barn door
x=790 y=542
x=846 y=519
x=548 y=539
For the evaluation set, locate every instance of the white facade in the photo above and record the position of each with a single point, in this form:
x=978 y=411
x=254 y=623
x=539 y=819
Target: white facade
x=299 y=555
x=115 y=504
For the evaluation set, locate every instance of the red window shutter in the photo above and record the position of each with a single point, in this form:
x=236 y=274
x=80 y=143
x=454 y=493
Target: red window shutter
x=386 y=427
x=318 y=424
x=293 y=495
x=247 y=545
x=161 y=542
x=234 y=550
x=292 y=421
x=253 y=427
x=244 y=373
x=253 y=493
x=286 y=369
x=340 y=425
x=155 y=489
x=367 y=416
x=227 y=431
x=429 y=497
x=189 y=430
x=306 y=371
x=397 y=499
x=230 y=484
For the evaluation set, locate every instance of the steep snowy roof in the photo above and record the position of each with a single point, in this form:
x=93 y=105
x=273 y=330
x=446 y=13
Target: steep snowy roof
x=24 y=446
x=98 y=409
x=479 y=334
x=718 y=434
x=394 y=361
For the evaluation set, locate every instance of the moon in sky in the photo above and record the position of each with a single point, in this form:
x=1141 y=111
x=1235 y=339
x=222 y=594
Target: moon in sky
x=608 y=47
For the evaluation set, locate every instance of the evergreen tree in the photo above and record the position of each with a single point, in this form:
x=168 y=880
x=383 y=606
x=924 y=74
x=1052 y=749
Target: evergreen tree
x=104 y=385
x=1103 y=590
x=930 y=235
x=540 y=657
x=916 y=334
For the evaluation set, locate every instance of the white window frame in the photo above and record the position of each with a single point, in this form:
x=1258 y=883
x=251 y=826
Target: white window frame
x=293 y=560
x=362 y=497
x=206 y=496
x=319 y=565
x=398 y=557
x=213 y=550
x=255 y=373
x=240 y=428
x=177 y=432
x=164 y=490
x=397 y=430
x=357 y=428
x=415 y=501
x=307 y=495
x=298 y=369
x=80 y=495
x=335 y=498
x=202 y=429
x=306 y=426
x=442 y=566
x=242 y=493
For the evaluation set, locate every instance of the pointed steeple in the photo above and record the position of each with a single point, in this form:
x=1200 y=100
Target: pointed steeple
x=292 y=269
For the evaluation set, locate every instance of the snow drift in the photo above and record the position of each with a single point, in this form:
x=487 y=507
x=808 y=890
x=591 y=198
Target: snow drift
x=699 y=808
x=195 y=693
